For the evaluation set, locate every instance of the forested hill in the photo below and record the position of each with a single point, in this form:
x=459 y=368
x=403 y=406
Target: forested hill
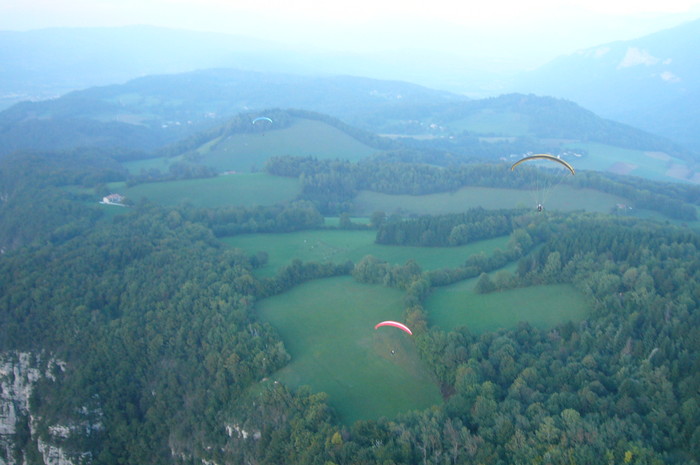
x=173 y=106
x=148 y=113
x=159 y=355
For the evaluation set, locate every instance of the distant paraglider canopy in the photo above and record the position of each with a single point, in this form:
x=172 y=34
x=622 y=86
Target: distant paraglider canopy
x=395 y=324
x=540 y=174
x=262 y=118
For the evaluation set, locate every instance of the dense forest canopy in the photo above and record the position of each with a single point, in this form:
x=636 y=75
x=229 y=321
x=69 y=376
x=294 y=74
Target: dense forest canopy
x=165 y=358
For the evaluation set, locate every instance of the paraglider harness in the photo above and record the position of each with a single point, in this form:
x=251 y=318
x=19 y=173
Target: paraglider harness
x=539 y=207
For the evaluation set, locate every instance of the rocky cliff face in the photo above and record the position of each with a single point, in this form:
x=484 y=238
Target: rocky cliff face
x=19 y=373
x=17 y=377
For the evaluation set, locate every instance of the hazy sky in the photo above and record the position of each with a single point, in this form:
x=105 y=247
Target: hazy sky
x=517 y=31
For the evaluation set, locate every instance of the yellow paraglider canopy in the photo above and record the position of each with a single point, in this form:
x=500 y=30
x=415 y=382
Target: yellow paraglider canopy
x=547 y=173
x=544 y=156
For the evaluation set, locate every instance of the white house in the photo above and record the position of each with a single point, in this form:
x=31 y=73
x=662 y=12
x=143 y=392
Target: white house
x=113 y=199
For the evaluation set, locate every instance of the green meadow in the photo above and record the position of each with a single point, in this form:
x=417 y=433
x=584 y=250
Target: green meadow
x=220 y=191
x=327 y=326
x=339 y=246
x=251 y=189
x=161 y=164
x=542 y=307
x=248 y=152
x=243 y=152
x=562 y=197
x=649 y=165
x=334 y=221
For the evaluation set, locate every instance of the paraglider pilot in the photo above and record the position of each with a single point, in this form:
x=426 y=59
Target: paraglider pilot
x=539 y=207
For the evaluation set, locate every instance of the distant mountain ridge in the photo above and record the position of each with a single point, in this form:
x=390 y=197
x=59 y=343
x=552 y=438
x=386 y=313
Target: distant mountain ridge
x=171 y=107
x=48 y=63
x=150 y=112
x=652 y=82
x=214 y=92
x=137 y=119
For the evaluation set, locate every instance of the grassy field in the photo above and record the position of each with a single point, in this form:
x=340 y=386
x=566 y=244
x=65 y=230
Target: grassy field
x=304 y=137
x=649 y=165
x=339 y=246
x=335 y=220
x=239 y=189
x=245 y=153
x=161 y=164
x=327 y=326
x=543 y=307
x=562 y=198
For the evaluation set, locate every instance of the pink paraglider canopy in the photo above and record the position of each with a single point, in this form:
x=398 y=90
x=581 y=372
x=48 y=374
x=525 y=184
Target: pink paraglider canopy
x=395 y=324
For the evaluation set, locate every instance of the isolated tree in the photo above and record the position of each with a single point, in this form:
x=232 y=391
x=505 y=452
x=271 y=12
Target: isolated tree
x=484 y=285
x=377 y=219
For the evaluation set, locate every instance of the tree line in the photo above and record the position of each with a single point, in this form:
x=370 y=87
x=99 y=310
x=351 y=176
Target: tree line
x=447 y=230
x=333 y=184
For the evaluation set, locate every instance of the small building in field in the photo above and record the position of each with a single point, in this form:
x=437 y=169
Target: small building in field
x=113 y=199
